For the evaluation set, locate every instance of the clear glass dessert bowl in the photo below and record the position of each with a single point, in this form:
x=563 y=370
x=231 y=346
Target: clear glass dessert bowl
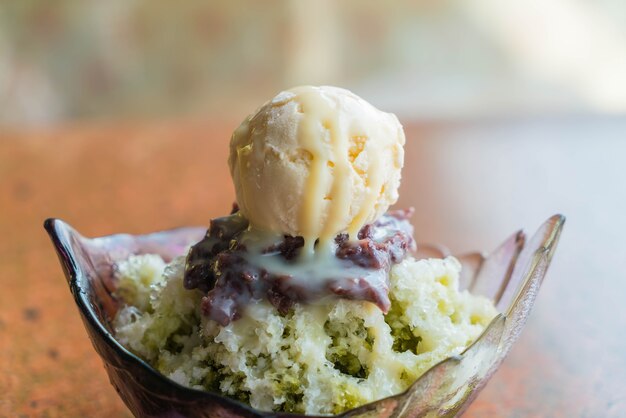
x=510 y=275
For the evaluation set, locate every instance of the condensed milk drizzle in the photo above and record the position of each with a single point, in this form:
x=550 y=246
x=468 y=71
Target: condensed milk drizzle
x=327 y=138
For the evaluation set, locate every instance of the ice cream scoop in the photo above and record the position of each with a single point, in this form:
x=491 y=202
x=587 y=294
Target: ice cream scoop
x=316 y=162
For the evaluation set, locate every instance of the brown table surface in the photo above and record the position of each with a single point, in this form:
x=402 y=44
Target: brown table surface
x=473 y=183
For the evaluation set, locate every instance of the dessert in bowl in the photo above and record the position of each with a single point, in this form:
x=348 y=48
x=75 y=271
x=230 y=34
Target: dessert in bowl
x=321 y=305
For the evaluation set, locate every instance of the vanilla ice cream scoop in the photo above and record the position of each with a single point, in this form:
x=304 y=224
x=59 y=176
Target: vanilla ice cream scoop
x=316 y=162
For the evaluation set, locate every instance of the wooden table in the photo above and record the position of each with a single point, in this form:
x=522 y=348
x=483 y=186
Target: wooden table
x=472 y=183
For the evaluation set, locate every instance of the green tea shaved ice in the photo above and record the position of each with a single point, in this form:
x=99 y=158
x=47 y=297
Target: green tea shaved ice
x=320 y=358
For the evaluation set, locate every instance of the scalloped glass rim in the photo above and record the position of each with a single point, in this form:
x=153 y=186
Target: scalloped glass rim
x=511 y=276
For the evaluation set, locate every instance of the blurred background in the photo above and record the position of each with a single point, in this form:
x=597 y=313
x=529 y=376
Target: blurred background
x=140 y=59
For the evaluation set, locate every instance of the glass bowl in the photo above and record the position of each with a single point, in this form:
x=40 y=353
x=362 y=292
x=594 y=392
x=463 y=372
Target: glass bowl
x=510 y=276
